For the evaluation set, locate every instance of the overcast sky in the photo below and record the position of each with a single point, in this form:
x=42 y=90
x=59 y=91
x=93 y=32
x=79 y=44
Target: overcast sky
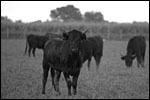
x=117 y=11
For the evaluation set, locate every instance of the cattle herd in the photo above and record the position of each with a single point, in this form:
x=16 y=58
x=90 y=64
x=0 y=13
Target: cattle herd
x=67 y=52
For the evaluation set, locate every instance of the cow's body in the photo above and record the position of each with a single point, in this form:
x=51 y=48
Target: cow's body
x=92 y=46
x=35 y=41
x=135 y=49
x=63 y=56
x=38 y=41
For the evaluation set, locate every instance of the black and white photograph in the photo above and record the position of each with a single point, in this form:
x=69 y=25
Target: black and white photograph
x=74 y=49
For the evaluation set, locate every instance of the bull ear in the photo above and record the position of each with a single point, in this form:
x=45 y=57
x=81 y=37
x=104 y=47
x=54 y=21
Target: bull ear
x=65 y=36
x=123 y=57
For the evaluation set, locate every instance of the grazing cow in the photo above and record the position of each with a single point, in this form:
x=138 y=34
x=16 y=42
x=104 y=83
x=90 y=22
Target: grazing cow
x=63 y=56
x=92 y=46
x=136 y=48
x=35 y=41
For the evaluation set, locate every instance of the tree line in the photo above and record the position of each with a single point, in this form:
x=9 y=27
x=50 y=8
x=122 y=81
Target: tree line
x=113 y=30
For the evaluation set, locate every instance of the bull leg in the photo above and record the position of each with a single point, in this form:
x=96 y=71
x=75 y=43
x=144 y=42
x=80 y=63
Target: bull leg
x=138 y=64
x=143 y=56
x=89 y=62
x=25 y=49
x=74 y=83
x=45 y=75
x=56 y=81
x=68 y=81
x=142 y=63
x=29 y=51
x=97 y=60
x=33 y=51
x=52 y=75
x=139 y=61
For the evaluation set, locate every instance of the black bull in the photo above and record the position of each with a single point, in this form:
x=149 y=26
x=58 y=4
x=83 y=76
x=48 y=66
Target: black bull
x=63 y=56
x=37 y=41
x=135 y=49
x=92 y=46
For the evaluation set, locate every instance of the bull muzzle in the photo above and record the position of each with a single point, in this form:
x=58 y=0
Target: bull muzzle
x=74 y=50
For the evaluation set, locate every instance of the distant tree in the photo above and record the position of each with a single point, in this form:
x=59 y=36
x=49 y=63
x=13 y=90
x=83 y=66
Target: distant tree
x=2 y=18
x=94 y=16
x=36 y=22
x=68 y=13
x=5 y=18
x=18 y=21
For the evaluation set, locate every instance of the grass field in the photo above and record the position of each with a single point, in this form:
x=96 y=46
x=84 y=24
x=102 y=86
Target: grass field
x=21 y=76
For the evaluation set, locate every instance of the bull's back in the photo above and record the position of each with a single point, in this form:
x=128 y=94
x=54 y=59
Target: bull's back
x=136 y=43
x=41 y=42
x=37 y=41
x=31 y=39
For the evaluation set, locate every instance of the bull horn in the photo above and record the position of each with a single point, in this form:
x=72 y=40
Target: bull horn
x=85 y=32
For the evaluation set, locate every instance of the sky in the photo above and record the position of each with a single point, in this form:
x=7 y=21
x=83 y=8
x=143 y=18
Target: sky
x=113 y=11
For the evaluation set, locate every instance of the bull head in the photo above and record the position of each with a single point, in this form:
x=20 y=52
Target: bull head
x=128 y=59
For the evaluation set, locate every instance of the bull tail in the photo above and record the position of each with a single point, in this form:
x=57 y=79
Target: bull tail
x=97 y=63
x=100 y=53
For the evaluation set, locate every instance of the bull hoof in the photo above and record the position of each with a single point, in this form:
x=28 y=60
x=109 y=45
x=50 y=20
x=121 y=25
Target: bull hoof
x=143 y=66
x=74 y=93
x=58 y=94
x=43 y=92
x=69 y=94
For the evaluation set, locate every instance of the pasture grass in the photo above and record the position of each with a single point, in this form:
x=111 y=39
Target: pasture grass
x=21 y=76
